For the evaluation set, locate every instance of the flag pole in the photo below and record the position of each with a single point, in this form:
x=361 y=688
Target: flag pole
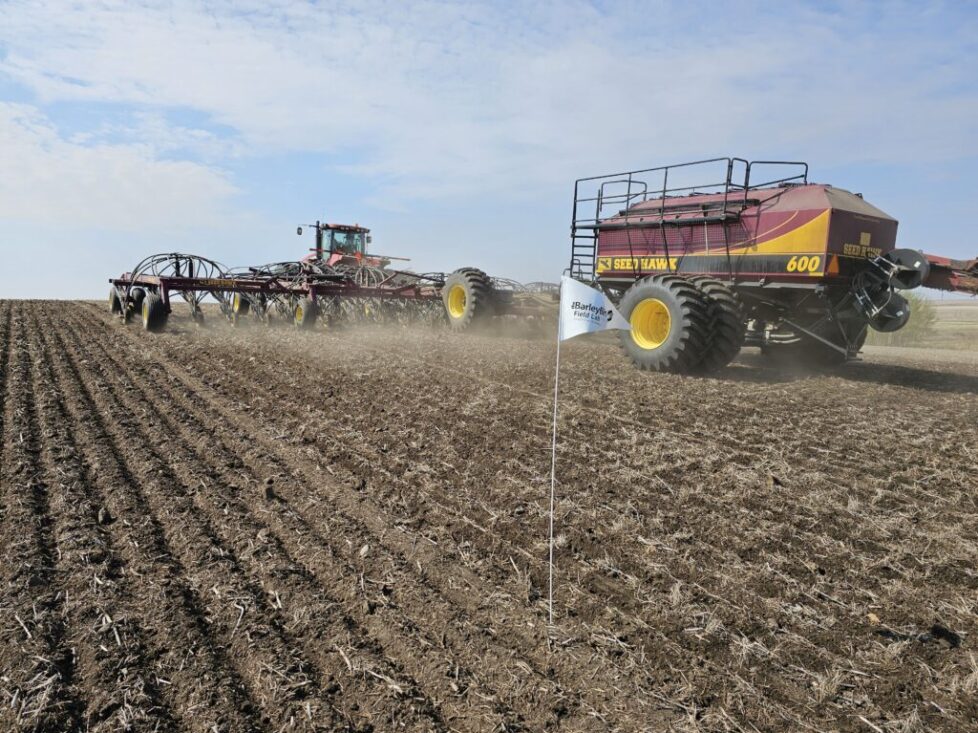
x=592 y=311
x=553 y=485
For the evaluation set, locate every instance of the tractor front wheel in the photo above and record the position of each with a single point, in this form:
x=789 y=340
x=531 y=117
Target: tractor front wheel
x=670 y=324
x=154 y=313
x=468 y=298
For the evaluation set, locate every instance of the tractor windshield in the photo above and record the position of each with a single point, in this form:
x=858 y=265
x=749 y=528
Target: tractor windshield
x=347 y=242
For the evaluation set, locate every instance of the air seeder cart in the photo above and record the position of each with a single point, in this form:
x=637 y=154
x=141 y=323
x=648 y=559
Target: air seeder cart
x=708 y=256
x=337 y=282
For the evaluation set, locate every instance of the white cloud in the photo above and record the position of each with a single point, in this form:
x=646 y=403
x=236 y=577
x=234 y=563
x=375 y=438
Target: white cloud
x=434 y=99
x=47 y=178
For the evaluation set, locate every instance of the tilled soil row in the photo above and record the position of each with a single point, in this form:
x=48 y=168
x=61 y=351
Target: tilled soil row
x=111 y=671
x=746 y=611
x=37 y=665
x=190 y=661
x=405 y=622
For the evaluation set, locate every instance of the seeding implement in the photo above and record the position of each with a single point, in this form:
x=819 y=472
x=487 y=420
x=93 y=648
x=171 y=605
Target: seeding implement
x=800 y=269
x=337 y=282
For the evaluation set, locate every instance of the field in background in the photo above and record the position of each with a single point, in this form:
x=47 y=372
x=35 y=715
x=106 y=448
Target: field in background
x=935 y=323
x=957 y=324
x=268 y=530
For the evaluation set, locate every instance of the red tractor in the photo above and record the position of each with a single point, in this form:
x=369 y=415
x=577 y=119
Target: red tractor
x=704 y=258
x=343 y=244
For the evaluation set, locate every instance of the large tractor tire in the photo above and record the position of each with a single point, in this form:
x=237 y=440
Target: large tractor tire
x=136 y=297
x=670 y=324
x=115 y=302
x=154 y=313
x=727 y=325
x=305 y=314
x=468 y=298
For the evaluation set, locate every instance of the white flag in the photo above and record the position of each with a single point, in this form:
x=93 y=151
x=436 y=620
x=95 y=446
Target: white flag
x=585 y=310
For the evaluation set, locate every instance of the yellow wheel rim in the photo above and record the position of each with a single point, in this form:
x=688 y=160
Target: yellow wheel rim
x=456 y=301
x=298 y=314
x=145 y=312
x=651 y=323
x=236 y=303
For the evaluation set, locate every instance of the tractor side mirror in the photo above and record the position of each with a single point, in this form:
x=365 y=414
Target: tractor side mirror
x=369 y=239
x=298 y=230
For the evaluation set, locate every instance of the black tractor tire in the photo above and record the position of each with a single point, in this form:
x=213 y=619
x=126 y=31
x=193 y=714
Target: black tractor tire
x=305 y=314
x=154 y=313
x=727 y=324
x=468 y=298
x=115 y=302
x=670 y=324
x=136 y=297
x=240 y=305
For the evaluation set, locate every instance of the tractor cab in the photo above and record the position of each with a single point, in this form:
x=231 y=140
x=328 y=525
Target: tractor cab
x=341 y=243
x=352 y=241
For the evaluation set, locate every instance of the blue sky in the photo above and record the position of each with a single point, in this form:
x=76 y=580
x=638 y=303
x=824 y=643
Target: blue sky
x=453 y=130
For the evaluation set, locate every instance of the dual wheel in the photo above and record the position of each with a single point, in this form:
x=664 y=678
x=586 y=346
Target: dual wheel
x=682 y=325
x=153 y=312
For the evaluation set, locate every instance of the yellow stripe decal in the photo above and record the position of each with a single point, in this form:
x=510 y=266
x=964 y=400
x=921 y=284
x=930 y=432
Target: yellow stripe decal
x=812 y=236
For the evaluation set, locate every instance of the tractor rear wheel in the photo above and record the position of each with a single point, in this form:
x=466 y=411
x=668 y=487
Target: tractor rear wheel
x=305 y=314
x=727 y=326
x=154 y=313
x=670 y=324
x=468 y=299
x=115 y=303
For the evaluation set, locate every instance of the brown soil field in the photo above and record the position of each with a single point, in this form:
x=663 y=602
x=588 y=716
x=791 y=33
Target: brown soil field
x=264 y=530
